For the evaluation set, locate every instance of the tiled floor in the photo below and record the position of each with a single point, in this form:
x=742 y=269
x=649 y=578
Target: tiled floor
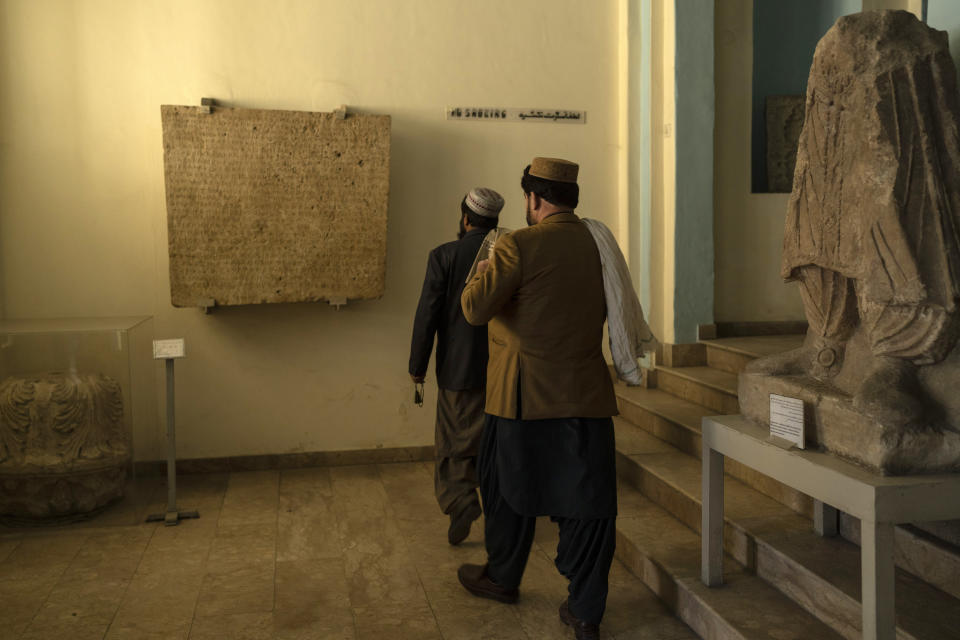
x=341 y=552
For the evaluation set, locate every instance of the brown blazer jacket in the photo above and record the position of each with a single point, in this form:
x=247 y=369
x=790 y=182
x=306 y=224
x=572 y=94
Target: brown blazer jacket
x=542 y=296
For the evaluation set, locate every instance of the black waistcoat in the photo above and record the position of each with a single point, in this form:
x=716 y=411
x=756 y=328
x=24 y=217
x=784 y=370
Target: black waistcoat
x=461 y=348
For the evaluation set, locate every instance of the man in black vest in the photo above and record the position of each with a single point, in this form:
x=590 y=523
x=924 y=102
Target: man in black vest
x=461 y=362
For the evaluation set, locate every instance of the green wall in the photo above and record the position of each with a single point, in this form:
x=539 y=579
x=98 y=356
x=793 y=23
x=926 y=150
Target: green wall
x=785 y=35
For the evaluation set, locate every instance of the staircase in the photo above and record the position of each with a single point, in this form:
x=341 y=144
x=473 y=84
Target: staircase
x=781 y=580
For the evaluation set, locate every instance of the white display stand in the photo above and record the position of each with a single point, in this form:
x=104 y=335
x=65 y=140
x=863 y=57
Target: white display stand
x=879 y=501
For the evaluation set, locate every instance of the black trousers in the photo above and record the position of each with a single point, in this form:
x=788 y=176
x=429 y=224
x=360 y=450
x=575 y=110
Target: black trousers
x=584 y=553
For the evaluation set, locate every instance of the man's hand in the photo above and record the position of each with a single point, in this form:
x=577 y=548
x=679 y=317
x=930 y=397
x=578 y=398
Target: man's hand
x=482 y=266
x=418 y=379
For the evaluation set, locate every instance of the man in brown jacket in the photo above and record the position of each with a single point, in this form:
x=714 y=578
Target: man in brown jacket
x=548 y=443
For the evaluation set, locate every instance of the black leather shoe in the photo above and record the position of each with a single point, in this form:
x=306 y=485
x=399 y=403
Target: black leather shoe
x=474 y=579
x=460 y=523
x=583 y=630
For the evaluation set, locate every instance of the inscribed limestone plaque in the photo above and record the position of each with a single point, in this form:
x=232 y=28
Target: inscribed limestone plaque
x=275 y=206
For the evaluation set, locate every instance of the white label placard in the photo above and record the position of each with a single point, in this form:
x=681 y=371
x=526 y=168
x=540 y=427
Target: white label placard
x=786 y=419
x=166 y=349
x=513 y=114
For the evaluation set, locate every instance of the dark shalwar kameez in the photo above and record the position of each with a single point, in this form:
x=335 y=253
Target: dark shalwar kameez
x=461 y=365
x=564 y=468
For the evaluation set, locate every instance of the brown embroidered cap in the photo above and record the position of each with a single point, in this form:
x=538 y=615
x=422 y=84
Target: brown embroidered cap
x=554 y=169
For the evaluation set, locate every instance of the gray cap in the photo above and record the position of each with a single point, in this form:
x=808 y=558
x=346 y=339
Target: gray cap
x=484 y=202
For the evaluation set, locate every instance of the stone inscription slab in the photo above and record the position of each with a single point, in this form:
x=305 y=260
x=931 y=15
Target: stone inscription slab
x=269 y=206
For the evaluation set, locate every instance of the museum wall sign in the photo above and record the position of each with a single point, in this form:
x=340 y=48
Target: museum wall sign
x=873 y=238
x=269 y=206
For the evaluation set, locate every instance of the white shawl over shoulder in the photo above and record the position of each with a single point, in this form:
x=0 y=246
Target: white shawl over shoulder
x=629 y=334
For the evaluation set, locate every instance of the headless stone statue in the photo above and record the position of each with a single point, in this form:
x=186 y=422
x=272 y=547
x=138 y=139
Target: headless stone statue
x=873 y=239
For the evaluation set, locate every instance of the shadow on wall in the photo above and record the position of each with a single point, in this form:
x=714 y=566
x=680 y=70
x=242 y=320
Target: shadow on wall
x=945 y=15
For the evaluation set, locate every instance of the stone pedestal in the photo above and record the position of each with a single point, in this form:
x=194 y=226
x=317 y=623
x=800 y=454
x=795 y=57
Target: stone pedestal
x=64 y=452
x=878 y=502
x=833 y=424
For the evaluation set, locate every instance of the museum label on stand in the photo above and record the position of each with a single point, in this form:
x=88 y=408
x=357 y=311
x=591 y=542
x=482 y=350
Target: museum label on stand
x=168 y=349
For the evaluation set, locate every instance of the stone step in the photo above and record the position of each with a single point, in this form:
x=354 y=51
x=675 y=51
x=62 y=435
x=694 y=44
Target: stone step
x=929 y=550
x=677 y=422
x=919 y=552
x=946 y=530
x=823 y=576
x=780 y=546
x=706 y=386
x=671 y=479
x=663 y=415
x=752 y=329
x=733 y=354
x=665 y=554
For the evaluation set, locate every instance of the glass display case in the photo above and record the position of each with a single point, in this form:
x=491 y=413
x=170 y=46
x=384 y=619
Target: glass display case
x=76 y=396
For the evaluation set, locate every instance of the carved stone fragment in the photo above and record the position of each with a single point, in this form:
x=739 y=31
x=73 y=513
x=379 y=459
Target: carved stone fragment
x=63 y=448
x=873 y=238
x=784 y=118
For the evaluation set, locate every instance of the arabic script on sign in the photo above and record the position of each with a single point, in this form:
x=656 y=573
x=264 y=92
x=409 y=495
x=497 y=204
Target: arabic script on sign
x=512 y=114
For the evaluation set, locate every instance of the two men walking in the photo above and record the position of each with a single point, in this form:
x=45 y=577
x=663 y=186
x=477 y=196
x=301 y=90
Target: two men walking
x=547 y=445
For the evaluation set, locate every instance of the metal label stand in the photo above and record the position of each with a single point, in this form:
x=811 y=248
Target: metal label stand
x=173 y=516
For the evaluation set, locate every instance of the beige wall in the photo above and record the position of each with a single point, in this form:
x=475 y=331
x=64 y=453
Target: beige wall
x=915 y=6
x=82 y=219
x=748 y=227
x=663 y=183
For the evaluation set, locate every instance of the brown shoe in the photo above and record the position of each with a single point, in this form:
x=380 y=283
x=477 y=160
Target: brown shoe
x=583 y=630
x=460 y=522
x=474 y=579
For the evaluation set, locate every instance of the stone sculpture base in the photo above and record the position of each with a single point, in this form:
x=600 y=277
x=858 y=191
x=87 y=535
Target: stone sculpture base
x=64 y=452
x=881 y=443
x=834 y=425
x=42 y=497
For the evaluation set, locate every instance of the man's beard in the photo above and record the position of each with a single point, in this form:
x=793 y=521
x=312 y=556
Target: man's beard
x=463 y=230
x=530 y=220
